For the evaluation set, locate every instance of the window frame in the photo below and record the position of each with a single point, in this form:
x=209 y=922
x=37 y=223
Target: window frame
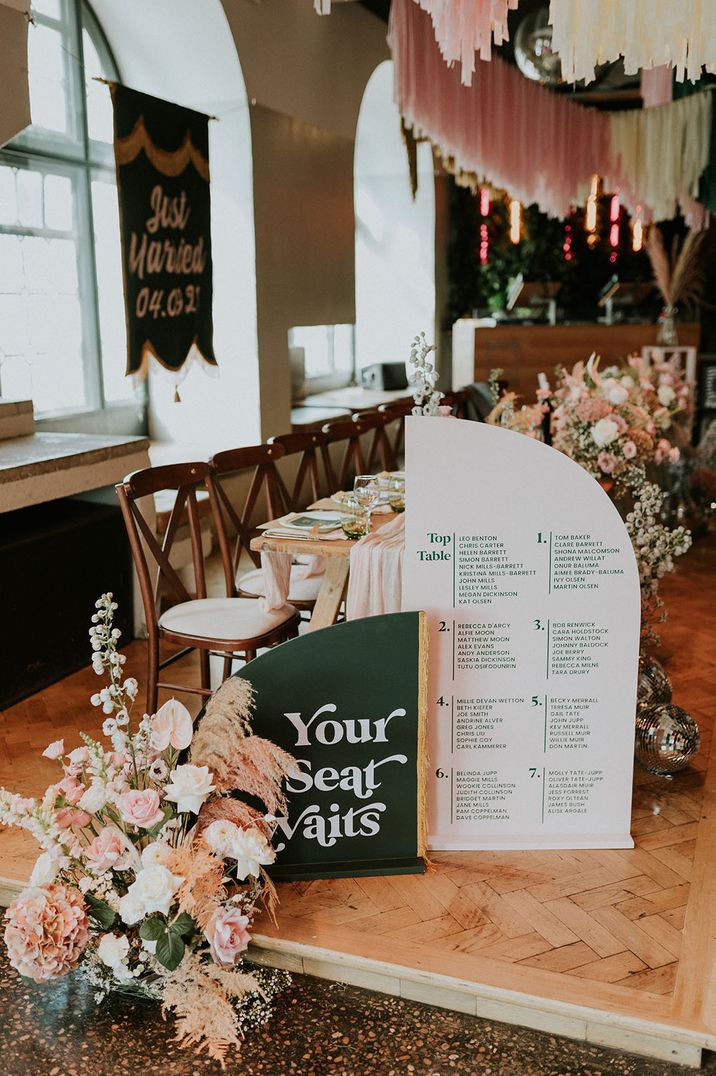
x=81 y=158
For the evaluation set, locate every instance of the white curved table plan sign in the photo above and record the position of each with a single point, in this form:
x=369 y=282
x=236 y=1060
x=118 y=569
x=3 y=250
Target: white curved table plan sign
x=529 y=580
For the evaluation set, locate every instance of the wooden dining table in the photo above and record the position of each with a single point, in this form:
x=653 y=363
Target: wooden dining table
x=337 y=552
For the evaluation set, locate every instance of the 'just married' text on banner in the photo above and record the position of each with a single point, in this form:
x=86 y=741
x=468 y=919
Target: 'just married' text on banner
x=162 y=160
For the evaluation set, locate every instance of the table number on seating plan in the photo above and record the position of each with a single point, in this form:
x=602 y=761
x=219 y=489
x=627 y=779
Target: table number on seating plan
x=529 y=580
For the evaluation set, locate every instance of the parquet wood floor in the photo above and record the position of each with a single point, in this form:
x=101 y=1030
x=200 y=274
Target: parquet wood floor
x=621 y=933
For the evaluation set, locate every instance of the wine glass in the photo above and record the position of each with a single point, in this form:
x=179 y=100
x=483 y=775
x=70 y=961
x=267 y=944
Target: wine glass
x=366 y=492
x=396 y=494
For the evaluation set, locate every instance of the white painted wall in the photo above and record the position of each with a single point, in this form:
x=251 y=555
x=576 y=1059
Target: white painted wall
x=395 y=236
x=184 y=51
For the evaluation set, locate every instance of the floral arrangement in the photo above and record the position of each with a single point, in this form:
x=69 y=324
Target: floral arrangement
x=621 y=424
x=614 y=423
x=151 y=868
x=655 y=546
x=424 y=379
x=527 y=419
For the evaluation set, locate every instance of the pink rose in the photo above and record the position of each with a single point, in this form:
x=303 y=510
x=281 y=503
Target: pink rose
x=47 y=931
x=607 y=462
x=71 y=818
x=71 y=789
x=227 y=935
x=172 y=725
x=55 y=750
x=140 y=807
x=629 y=450
x=108 y=849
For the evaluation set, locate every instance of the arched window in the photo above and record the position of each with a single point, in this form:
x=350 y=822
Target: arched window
x=62 y=330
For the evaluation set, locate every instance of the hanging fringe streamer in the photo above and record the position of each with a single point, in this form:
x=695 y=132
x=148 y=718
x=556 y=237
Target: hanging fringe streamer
x=466 y=27
x=646 y=33
x=517 y=135
x=538 y=145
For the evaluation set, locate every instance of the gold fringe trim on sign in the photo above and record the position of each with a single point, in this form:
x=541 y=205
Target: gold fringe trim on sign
x=194 y=354
x=169 y=164
x=423 y=736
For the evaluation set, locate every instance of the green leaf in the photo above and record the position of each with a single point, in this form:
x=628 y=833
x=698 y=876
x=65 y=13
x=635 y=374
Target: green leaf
x=184 y=924
x=168 y=812
x=101 y=912
x=170 y=950
x=152 y=929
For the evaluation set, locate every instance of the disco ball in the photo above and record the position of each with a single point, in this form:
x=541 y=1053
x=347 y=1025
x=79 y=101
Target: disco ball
x=653 y=685
x=667 y=738
x=534 y=54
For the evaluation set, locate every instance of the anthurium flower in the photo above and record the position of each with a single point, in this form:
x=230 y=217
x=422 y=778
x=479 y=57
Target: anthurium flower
x=172 y=726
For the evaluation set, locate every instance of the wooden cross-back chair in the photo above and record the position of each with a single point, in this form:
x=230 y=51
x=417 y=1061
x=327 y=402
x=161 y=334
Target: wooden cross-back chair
x=267 y=498
x=309 y=446
x=380 y=454
x=352 y=463
x=396 y=412
x=458 y=402
x=228 y=626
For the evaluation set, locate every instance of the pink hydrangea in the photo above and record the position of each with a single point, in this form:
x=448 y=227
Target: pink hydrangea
x=227 y=935
x=47 y=931
x=592 y=409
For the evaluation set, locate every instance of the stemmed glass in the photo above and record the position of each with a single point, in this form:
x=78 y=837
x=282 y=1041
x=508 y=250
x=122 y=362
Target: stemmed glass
x=366 y=492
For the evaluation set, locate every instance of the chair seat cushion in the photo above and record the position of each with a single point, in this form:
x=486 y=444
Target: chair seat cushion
x=223 y=618
x=300 y=590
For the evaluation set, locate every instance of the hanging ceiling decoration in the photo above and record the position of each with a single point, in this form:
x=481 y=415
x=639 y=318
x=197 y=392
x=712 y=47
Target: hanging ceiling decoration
x=467 y=27
x=647 y=33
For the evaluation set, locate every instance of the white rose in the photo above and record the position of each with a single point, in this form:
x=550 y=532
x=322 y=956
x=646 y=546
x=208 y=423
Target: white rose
x=189 y=787
x=154 y=888
x=617 y=395
x=666 y=395
x=156 y=853
x=628 y=381
x=45 y=870
x=131 y=909
x=113 y=949
x=604 y=432
x=95 y=798
x=251 y=850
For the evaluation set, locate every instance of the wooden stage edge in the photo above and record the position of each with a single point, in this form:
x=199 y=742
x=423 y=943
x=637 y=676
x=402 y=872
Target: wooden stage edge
x=615 y=947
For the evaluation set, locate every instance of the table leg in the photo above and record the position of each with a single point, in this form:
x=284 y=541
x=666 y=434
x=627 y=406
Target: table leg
x=331 y=594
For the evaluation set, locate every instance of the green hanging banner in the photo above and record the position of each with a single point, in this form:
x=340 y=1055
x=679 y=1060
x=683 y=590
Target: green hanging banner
x=162 y=160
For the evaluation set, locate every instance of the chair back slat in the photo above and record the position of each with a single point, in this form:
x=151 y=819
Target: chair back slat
x=353 y=461
x=396 y=412
x=265 y=485
x=185 y=479
x=308 y=445
x=380 y=454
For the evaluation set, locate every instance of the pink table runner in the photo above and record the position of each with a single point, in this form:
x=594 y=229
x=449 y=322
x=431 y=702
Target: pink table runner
x=376 y=573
